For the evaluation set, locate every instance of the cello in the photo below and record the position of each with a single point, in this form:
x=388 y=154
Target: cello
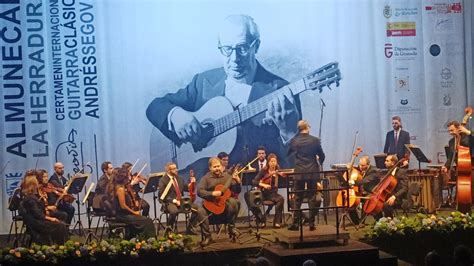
x=463 y=184
x=382 y=191
x=354 y=174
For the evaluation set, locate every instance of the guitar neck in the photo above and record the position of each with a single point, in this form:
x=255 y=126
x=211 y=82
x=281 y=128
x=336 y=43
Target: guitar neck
x=254 y=108
x=317 y=79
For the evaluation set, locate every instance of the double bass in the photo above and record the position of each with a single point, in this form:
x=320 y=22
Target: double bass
x=382 y=191
x=354 y=175
x=463 y=184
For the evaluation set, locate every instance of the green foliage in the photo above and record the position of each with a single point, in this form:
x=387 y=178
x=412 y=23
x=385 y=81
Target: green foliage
x=91 y=251
x=421 y=223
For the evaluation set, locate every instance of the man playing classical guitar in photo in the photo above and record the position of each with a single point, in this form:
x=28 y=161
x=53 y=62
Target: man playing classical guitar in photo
x=215 y=188
x=240 y=81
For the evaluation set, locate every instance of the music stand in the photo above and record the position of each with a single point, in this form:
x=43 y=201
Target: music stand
x=151 y=186
x=76 y=185
x=380 y=160
x=419 y=155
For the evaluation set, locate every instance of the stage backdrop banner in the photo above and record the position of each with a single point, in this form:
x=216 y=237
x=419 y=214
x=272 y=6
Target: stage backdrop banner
x=77 y=78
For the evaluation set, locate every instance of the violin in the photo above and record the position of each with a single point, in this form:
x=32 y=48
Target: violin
x=192 y=186
x=270 y=178
x=131 y=192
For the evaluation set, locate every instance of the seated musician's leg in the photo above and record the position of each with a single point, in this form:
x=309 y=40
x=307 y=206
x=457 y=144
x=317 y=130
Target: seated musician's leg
x=145 y=208
x=388 y=210
x=279 y=201
x=173 y=211
x=231 y=212
x=199 y=217
x=69 y=209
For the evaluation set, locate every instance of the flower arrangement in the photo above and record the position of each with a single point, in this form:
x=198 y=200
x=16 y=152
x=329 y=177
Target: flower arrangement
x=386 y=227
x=133 y=248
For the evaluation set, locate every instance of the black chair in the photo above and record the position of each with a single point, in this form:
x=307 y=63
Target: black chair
x=165 y=213
x=408 y=204
x=95 y=209
x=115 y=227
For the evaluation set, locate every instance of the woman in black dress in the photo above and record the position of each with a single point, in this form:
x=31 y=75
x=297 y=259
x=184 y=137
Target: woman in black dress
x=42 y=227
x=126 y=212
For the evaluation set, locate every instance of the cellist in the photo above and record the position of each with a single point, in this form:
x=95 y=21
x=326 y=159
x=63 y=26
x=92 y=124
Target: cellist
x=370 y=178
x=401 y=190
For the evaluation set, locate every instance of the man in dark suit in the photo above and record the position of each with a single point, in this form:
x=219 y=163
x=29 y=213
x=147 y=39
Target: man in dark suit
x=58 y=180
x=241 y=80
x=308 y=155
x=171 y=190
x=396 y=139
x=401 y=190
x=370 y=178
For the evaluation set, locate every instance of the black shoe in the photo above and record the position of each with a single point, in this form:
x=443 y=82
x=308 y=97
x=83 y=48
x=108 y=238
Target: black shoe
x=312 y=227
x=261 y=225
x=207 y=240
x=293 y=227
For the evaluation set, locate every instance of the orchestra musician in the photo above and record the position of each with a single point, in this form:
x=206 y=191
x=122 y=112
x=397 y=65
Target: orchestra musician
x=46 y=192
x=396 y=139
x=41 y=225
x=267 y=181
x=101 y=193
x=206 y=190
x=262 y=159
x=59 y=181
x=308 y=155
x=124 y=207
x=172 y=189
x=370 y=178
x=455 y=129
x=135 y=180
x=401 y=190
x=224 y=157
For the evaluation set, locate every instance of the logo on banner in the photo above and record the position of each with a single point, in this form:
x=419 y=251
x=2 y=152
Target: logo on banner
x=447 y=100
x=444 y=24
x=404 y=101
x=446 y=78
x=401 y=52
x=388 y=50
x=444 y=8
x=12 y=182
x=435 y=50
x=401 y=29
x=402 y=83
x=387 y=11
x=446 y=73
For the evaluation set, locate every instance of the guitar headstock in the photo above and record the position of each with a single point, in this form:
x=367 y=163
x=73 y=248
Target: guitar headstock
x=323 y=77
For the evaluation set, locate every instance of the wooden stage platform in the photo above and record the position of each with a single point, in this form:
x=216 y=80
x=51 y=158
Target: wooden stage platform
x=282 y=247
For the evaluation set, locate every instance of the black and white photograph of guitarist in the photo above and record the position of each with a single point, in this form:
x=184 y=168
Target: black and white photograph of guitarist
x=181 y=116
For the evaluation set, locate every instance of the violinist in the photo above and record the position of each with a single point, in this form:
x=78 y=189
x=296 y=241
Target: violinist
x=136 y=224
x=172 y=189
x=135 y=180
x=58 y=180
x=267 y=181
x=369 y=180
x=46 y=191
x=401 y=190
x=40 y=224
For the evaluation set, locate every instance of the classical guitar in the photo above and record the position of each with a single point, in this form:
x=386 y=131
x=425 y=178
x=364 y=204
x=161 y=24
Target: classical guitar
x=220 y=133
x=216 y=205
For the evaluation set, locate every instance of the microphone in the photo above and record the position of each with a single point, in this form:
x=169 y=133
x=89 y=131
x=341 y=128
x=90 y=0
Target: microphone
x=322 y=102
